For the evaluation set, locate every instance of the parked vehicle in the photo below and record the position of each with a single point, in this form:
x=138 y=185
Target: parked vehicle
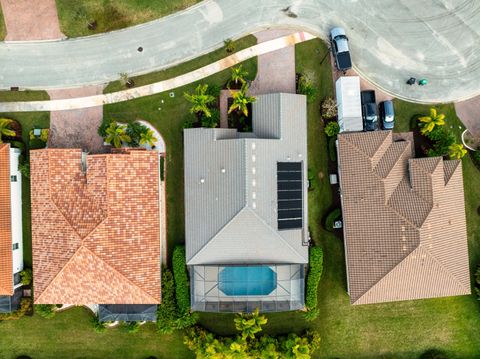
x=369 y=111
x=339 y=43
x=349 y=105
x=387 y=115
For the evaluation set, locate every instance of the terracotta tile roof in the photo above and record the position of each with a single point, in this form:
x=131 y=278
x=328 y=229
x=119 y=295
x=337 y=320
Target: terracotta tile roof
x=6 y=266
x=404 y=221
x=95 y=234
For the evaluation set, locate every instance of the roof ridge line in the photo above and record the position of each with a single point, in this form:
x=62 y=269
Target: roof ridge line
x=217 y=233
x=116 y=270
x=407 y=146
x=274 y=231
x=442 y=266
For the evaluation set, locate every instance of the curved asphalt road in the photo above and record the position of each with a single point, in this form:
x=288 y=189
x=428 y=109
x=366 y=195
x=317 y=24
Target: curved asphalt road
x=390 y=40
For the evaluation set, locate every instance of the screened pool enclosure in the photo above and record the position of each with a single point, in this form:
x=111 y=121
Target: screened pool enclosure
x=242 y=288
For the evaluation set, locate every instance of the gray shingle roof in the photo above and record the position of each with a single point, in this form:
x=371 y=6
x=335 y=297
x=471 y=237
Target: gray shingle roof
x=231 y=187
x=404 y=221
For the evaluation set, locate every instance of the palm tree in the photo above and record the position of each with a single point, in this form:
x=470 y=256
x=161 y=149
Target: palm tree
x=429 y=122
x=250 y=324
x=5 y=130
x=241 y=100
x=456 y=151
x=116 y=135
x=148 y=138
x=200 y=100
x=238 y=75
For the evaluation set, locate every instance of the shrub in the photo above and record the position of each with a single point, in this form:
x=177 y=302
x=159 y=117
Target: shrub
x=45 y=310
x=24 y=169
x=102 y=130
x=305 y=87
x=441 y=146
x=43 y=135
x=135 y=129
x=332 y=149
x=182 y=286
x=333 y=216
x=98 y=326
x=313 y=277
x=433 y=354
x=167 y=310
x=36 y=144
x=329 y=109
x=131 y=327
x=25 y=307
x=475 y=156
x=214 y=90
x=162 y=168
x=17 y=144
x=477 y=282
x=311 y=314
x=189 y=120
x=26 y=276
x=213 y=120
x=332 y=129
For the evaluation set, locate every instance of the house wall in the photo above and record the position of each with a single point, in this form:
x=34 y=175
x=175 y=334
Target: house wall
x=16 y=208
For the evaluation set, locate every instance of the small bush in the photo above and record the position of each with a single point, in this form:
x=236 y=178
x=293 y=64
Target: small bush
x=229 y=45
x=43 y=135
x=135 y=129
x=189 y=120
x=313 y=277
x=182 y=285
x=98 y=326
x=36 y=144
x=213 y=120
x=329 y=109
x=26 y=276
x=434 y=354
x=214 y=90
x=25 y=307
x=332 y=129
x=475 y=156
x=45 y=310
x=162 y=168
x=102 y=130
x=332 y=149
x=311 y=315
x=24 y=169
x=131 y=327
x=305 y=87
x=333 y=216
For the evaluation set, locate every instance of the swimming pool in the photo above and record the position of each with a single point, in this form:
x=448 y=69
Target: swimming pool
x=247 y=280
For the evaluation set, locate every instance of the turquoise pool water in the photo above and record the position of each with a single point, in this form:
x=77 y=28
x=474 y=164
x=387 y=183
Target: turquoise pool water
x=247 y=280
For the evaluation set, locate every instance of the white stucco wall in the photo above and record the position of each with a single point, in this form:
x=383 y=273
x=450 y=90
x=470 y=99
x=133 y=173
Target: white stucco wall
x=16 y=207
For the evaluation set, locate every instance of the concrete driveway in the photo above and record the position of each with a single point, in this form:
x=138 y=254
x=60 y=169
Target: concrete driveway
x=391 y=40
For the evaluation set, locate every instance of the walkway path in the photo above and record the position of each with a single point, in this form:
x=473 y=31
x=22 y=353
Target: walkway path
x=389 y=44
x=469 y=113
x=76 y=128
x=158 y=87
x=31 y=20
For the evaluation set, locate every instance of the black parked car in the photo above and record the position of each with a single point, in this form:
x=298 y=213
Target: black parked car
x=387 y=115
x=369 y=111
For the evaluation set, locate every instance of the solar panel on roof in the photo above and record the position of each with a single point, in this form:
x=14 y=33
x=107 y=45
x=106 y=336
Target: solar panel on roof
x=289 y=195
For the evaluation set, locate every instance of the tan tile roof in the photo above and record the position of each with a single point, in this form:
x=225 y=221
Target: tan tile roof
x=95 y=235
x=6 y=266
x=404 y=221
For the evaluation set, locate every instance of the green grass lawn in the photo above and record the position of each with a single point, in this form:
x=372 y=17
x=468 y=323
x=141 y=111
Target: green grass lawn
x=28 y=95
x=70 y=335
x=183 y=68
x=111 y=15
x=29 y=120
x=3 y=30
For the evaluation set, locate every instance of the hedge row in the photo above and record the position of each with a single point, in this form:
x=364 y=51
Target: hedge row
x=182 y=286
x=25 y=307
x=313 y=277
x=333 y=216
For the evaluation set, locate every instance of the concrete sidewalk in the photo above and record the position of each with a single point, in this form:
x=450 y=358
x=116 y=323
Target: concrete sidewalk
x=158 y=87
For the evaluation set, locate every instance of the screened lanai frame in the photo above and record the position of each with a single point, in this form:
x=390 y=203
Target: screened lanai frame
x=127 y=312
x=287 y=295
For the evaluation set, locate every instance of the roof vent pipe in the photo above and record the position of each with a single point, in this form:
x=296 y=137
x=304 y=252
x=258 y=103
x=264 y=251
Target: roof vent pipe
x=84 y=162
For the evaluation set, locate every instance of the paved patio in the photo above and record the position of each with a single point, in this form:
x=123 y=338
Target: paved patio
x=31 y=20
x=76 y=128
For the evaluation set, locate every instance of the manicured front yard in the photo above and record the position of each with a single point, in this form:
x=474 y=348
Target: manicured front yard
x=74 y=15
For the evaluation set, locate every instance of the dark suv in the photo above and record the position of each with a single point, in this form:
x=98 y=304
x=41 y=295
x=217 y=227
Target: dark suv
x=340 y=50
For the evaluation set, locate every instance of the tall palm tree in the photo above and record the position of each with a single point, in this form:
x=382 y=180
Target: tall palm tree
x=238 y=75
x=116 y=135
x=148 y=138
x=5 y=130
x=429 y=122
x=200 y=100
x=241 y=100
x=456 y=151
